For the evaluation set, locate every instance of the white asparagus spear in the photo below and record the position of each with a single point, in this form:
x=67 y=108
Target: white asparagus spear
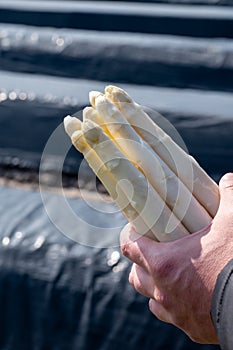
x=164 y=181
x=202 y=186
x=144 y=199
x=73 y=128
x=71 y=124
x=90 y=113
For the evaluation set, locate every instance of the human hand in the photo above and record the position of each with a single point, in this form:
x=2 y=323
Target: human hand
x=179 y=277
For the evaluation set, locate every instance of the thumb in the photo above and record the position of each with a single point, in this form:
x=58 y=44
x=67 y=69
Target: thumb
x=226 y=192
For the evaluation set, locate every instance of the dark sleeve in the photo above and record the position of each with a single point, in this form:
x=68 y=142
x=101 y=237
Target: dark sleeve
x=222 y=307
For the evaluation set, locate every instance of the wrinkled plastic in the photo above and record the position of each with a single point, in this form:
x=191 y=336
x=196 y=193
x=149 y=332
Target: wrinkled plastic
x=56 y=294
x=134 y=58
x=109 y=16
x=204 y=120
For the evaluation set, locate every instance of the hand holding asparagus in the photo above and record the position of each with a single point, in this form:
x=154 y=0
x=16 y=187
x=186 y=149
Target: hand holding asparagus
x=139 y=164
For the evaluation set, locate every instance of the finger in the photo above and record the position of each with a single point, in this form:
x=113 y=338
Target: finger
x=159 y=311
x=141 y=281
x=139 y=249
x=226 y=192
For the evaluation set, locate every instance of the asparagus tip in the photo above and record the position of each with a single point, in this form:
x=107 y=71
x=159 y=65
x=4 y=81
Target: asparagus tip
x=87 y=113
x=93 y=96
x=117 y=94
x=100 y=99
x=71 y=124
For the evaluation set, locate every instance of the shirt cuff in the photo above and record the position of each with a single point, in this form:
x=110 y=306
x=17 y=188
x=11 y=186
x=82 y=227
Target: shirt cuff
x=222 y=307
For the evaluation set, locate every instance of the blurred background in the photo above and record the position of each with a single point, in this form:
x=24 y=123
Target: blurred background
x=173 y=56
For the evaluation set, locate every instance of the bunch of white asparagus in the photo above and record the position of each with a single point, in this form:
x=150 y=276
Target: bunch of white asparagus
x=160 y=189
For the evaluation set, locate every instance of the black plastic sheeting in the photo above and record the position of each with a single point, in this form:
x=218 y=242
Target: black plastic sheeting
x=186 y=2
x=56 y=294
x=119 y=57
x=33 y=107
x=202 y=21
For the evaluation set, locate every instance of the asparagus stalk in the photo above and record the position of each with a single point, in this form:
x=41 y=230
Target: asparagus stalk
x=144 y=199
x=188 y=210
x=113 y=168
x=73 y=127
x=198 y=182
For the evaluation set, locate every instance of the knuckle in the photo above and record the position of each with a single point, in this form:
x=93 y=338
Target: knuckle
x=157 y=310
x=227 y=180
x=131 y=276
x=138 y=286
x=135 y=280
x=152 y=308
x=131 y=280
x=125 y=249
x=163 y=299
x=141 y=260
x=164 y=268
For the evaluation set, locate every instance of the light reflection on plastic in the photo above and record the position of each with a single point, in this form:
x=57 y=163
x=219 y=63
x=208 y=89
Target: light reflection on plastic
x=3 y=96
x=12 y=95
x=121 y=266
x=114 y=259
x=39 y=242
x=5 y=241
x=18 y=235
x=60 y=42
